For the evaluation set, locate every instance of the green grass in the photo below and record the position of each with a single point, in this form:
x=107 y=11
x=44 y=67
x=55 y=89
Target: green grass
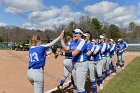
x=127 y=81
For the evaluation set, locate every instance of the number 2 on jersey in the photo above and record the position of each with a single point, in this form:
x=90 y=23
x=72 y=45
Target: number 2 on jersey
x=34 y=57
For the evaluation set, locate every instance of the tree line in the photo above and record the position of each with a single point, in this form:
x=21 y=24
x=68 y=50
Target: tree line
x=86 y=23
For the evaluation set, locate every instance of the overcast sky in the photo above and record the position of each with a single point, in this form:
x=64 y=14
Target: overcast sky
x=42 y=14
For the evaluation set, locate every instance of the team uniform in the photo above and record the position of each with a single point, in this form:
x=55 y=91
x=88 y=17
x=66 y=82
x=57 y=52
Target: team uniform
x=97 y=66
x=108 y=60
x=103 y=48
x=37 y=55
x=121 y=53
x=91 y=66
x=113 y=56
x=80 y=64
x=67 y=67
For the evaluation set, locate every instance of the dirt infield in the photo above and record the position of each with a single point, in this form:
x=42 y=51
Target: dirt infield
x=13 y=69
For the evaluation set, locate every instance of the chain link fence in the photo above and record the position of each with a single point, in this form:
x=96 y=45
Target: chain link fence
x=133 y=44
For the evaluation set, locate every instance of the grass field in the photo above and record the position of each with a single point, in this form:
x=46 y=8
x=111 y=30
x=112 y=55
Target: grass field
x=127 y=81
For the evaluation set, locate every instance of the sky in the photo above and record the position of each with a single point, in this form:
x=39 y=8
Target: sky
x=48 y=14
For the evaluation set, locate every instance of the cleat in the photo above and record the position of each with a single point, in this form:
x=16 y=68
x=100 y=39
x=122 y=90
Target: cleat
x=101 y=86
x=118 y=67
x=113 y=74
x=60 y=88
x=122 y=67
x=107 y=78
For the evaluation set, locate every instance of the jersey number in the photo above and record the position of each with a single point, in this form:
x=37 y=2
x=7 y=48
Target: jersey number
x=34 y=57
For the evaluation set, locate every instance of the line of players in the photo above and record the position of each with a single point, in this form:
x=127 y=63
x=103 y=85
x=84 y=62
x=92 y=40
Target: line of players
x=101 y=58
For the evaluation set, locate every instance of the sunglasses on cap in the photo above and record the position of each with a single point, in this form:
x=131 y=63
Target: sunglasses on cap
x=75 y=32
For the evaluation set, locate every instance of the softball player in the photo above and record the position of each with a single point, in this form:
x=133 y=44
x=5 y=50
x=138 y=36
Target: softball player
x=103 y=48
x=91 y=65
x=67 y=63
x=37 y=55
x=113 y=55
x=98 y=65
x=121 y=52
x=108 y=60
x=79 y=59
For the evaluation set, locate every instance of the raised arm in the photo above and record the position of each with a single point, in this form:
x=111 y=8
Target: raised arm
x=64 y=45
x=54 y=41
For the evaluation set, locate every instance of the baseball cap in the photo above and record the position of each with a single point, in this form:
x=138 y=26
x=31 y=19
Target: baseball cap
x=85 y=34
x=119 y=39
x=78 y=31
x=93 y=40
x=101 y=36
x=111 y=40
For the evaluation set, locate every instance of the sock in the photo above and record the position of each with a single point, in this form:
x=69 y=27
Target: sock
x=114 y=69
x=122 y=63
x=101 y=79
x=62 y=80
x=94 y=87
x=110 y=67
x=107 y=73
x=103 y=76
x=118 y=64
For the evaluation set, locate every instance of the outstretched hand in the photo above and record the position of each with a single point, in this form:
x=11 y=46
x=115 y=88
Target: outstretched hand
x=62 y=34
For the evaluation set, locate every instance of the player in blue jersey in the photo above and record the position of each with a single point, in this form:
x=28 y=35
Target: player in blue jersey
x=67 y=63
x=103 y=48
x=113 y=55
x=37 y=57
x=108 y=60
x=121 y=52
x=79 y=60
x=97 y=58
x=91 y=65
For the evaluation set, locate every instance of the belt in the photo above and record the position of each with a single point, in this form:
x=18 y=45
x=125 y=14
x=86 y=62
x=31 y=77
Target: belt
x=97 y=60
x=41 y=68
x=103 y=56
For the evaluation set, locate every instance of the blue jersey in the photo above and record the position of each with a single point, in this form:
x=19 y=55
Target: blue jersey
x=107 y=52
x=89 y=47
x=82 y=46
x=112 y=49
x=122 y=46
x=103 y=48
x=97 y=56
x=37 y=55
x=67 y=57
x=117 y=48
